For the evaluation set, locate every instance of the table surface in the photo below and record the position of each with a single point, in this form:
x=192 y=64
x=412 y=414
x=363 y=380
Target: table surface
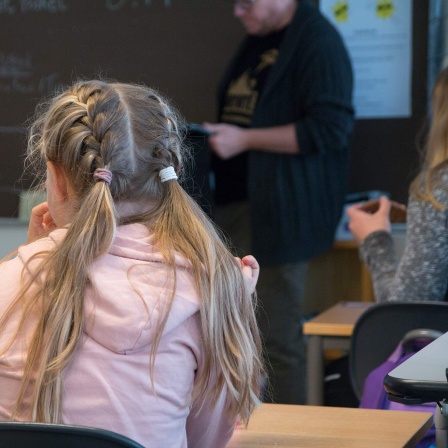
x=338 y=320
x=279 y=426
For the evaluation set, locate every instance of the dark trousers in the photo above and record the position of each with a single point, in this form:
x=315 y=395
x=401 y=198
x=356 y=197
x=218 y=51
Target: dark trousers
x=281 y=295
x=280 y=292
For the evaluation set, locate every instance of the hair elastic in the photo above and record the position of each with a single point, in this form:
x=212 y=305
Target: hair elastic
x=167 y=173
x=103 y=174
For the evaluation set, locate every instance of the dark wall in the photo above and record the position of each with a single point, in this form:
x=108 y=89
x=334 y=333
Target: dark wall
x=177 y=46
x=384 y=152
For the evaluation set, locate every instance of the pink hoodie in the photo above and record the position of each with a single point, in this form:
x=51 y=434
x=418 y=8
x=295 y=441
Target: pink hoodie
x=108 y=383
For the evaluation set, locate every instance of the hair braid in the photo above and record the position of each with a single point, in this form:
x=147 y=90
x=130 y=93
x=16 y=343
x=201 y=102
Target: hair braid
x=170 y=141
x=134 y=133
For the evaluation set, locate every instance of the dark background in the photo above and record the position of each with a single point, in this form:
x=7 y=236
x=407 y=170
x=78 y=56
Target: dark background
x=385 y=153
x=179 y=47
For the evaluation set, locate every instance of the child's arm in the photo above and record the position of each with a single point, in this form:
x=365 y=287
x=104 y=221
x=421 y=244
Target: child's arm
x=251 y=270
x=41 y=222
x=362 y=223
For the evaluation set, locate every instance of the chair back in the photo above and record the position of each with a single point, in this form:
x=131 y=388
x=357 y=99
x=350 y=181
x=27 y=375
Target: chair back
x=381 y=327
x=45 y=435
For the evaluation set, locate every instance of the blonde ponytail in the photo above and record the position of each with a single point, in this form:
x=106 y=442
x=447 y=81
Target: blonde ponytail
x=134 y=133
x=231 y=337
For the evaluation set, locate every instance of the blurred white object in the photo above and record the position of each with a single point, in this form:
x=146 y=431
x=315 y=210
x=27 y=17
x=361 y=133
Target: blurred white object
x=28 y=200
x=13 y=233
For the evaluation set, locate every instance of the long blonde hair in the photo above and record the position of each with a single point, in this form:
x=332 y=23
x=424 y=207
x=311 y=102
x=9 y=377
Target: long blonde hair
x=436 y=147
x=134 y=132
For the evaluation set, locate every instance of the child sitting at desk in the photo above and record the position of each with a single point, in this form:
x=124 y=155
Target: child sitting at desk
x=125 y=311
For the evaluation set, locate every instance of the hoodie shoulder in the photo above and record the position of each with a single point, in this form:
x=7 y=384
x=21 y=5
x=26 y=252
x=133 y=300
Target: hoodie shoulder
x=132 y=288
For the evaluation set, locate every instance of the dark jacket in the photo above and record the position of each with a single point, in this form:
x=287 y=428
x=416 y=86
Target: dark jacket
x=296 y=200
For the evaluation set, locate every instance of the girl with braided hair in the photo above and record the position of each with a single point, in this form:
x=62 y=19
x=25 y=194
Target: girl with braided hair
x=125 y=310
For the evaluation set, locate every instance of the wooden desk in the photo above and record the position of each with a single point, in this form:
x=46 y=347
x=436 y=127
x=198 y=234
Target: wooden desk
x=330 y=329
x=365 y=280
x=339 y=274
x=335 y=276
x=274 y=425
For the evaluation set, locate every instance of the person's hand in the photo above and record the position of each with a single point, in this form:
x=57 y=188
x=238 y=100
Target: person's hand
x=226 y=140
x=41 y=222
x=362 y=224
x=251 y=270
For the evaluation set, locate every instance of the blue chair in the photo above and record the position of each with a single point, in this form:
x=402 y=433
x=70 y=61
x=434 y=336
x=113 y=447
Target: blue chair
x=45 y=435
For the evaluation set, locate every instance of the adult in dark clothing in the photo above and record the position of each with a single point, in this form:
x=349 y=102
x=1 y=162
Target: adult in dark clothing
x=281 y=163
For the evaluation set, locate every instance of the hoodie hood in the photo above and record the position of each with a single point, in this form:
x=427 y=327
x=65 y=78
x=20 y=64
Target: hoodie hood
x=130 y=290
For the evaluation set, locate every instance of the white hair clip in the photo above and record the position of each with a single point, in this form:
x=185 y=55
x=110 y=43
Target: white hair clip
x=167 y=173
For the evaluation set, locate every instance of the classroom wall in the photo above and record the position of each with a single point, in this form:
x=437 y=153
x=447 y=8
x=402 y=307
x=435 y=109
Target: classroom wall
x=437 y=39
x=180 y=47
x=385 y=152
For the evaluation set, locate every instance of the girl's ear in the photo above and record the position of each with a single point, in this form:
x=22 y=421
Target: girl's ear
x=57 y=181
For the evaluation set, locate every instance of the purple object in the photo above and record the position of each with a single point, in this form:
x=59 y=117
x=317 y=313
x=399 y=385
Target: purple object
x=375 y=397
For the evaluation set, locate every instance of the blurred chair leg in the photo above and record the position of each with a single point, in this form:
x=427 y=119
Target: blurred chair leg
x=315 y=371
